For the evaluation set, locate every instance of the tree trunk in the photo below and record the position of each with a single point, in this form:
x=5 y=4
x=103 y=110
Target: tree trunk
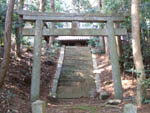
x=119 y=50
x=42 y=6
x=118 y=42
x=101 y=6
x=102 y=45
x=17 y=37
x=20 y=4
x=18 y=31
x=136 y=48
x=114 y=60
x=106 y=46
x=52 y=5
x=7 y=46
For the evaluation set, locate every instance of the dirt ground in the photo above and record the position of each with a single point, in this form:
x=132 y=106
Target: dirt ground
x=15 y=95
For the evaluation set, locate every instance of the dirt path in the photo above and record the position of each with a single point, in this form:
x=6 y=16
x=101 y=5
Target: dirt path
x=82 y=105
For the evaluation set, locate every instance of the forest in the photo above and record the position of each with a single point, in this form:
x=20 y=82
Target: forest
x=74 y=56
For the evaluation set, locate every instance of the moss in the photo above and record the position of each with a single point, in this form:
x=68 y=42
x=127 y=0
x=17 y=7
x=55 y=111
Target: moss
x=92 y=109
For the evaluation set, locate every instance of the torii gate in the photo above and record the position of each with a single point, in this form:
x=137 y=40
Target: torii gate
x=38 y=32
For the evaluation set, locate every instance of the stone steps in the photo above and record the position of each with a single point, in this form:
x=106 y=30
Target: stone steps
x=76 y=79
x=78 y=59
x=77 y=67
x=73 y=71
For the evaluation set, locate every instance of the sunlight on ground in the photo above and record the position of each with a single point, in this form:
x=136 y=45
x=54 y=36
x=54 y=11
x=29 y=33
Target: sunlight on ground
x=105 y=72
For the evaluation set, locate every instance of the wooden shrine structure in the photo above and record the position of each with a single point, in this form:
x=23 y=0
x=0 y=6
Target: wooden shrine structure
x=39 y=31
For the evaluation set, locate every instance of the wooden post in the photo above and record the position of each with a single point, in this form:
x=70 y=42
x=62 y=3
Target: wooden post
x=35 y=86
x=114 y=60
x=74 y=27
x=19 y=29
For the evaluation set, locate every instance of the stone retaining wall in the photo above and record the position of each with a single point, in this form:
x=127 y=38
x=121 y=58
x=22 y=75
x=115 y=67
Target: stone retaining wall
x=97 y=78
x=57 y=74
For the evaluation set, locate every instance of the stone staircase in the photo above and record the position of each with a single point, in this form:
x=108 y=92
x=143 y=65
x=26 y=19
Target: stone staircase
x=76 y=79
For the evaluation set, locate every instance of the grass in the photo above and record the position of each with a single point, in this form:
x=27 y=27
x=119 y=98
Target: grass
x=91 y=109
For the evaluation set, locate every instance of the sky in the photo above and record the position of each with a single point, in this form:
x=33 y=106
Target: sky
x=92 y=2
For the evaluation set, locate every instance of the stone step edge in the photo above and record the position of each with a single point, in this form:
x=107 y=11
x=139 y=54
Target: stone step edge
x=96 y=75
x=84 y=71
x=75 y=65
x=57 y=74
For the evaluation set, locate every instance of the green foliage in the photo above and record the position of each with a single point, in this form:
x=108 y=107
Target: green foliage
x=146 y=101
x=56 y=44
x=52 y=52
x=93 y=42
x=117 y=6
x=33 y=5
x=112 y=6
x=26 y=41
x=60 y=6
x=3 y=8
x=95 y=46
x=145 y=27
x=147 y=82
x=126 y=57
x=83 y=6
x=145 y=8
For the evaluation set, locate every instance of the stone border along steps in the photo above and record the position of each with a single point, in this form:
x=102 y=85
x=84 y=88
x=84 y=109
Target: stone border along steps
x=96 y=77
x=57 y=74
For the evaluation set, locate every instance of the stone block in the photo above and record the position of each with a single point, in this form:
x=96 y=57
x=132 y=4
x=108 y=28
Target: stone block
x=38 y=107
x=114 y=102
x=130 y=108
x=104 y=95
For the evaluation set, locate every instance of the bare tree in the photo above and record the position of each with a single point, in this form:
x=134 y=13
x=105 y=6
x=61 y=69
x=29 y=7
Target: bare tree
x=42 y=5
x=7 y=45
x=136 y=47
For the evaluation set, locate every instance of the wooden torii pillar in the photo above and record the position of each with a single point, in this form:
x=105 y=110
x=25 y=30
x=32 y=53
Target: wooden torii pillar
x=39 y=17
